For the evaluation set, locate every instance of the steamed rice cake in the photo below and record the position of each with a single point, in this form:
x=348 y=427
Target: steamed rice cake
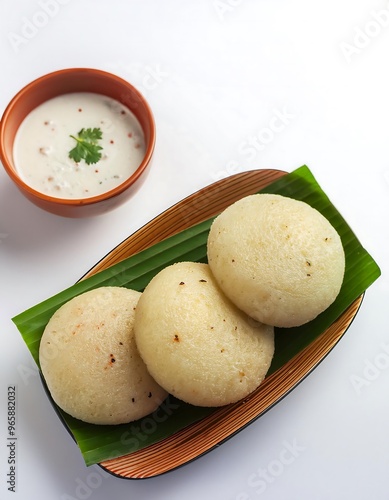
x=196 y=344
x=276 y=258
x=90 y=362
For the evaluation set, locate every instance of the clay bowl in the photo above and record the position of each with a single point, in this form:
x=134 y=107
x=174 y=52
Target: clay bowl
x=63 y=82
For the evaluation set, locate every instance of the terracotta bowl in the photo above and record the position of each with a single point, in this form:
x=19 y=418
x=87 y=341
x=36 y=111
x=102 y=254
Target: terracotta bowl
x=63 y=82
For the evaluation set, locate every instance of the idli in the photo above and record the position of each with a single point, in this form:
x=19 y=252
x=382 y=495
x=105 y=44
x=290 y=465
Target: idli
x=278 y=259
x=90 y=362
x=196 y=344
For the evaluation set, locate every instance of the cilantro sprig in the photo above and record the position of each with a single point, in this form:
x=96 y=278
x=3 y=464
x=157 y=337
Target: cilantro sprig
x=87 y=147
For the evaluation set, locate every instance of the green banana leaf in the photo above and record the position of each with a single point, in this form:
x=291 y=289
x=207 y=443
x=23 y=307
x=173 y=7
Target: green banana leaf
x=100 y=443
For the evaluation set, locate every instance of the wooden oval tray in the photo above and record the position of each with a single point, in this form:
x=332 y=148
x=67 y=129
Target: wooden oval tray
x=204 y=435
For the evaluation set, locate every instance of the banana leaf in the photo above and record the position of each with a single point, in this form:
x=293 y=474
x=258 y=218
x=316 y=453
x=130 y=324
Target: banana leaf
x=101 y=443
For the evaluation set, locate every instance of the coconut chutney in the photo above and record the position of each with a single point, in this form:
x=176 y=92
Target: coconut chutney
x=43 y=142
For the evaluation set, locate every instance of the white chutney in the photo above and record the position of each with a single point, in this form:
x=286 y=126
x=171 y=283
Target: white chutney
x=42 y=145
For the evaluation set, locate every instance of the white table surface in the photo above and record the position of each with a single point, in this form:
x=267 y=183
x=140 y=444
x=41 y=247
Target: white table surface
x=216 y=74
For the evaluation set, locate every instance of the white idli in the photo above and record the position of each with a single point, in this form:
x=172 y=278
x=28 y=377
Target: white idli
x=90 y=362
x=196 y=344
x=276 y=258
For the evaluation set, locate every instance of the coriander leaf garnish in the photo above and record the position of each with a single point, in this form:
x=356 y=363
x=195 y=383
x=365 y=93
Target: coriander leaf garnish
x=87 y=147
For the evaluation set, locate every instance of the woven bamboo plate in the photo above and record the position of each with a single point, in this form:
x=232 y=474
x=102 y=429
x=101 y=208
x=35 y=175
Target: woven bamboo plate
x=204 y=435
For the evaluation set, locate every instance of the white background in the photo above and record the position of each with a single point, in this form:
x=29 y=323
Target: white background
x=215 y=74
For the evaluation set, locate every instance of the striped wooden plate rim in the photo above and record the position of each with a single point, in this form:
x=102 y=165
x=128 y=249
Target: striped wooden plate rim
x=201 y=437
